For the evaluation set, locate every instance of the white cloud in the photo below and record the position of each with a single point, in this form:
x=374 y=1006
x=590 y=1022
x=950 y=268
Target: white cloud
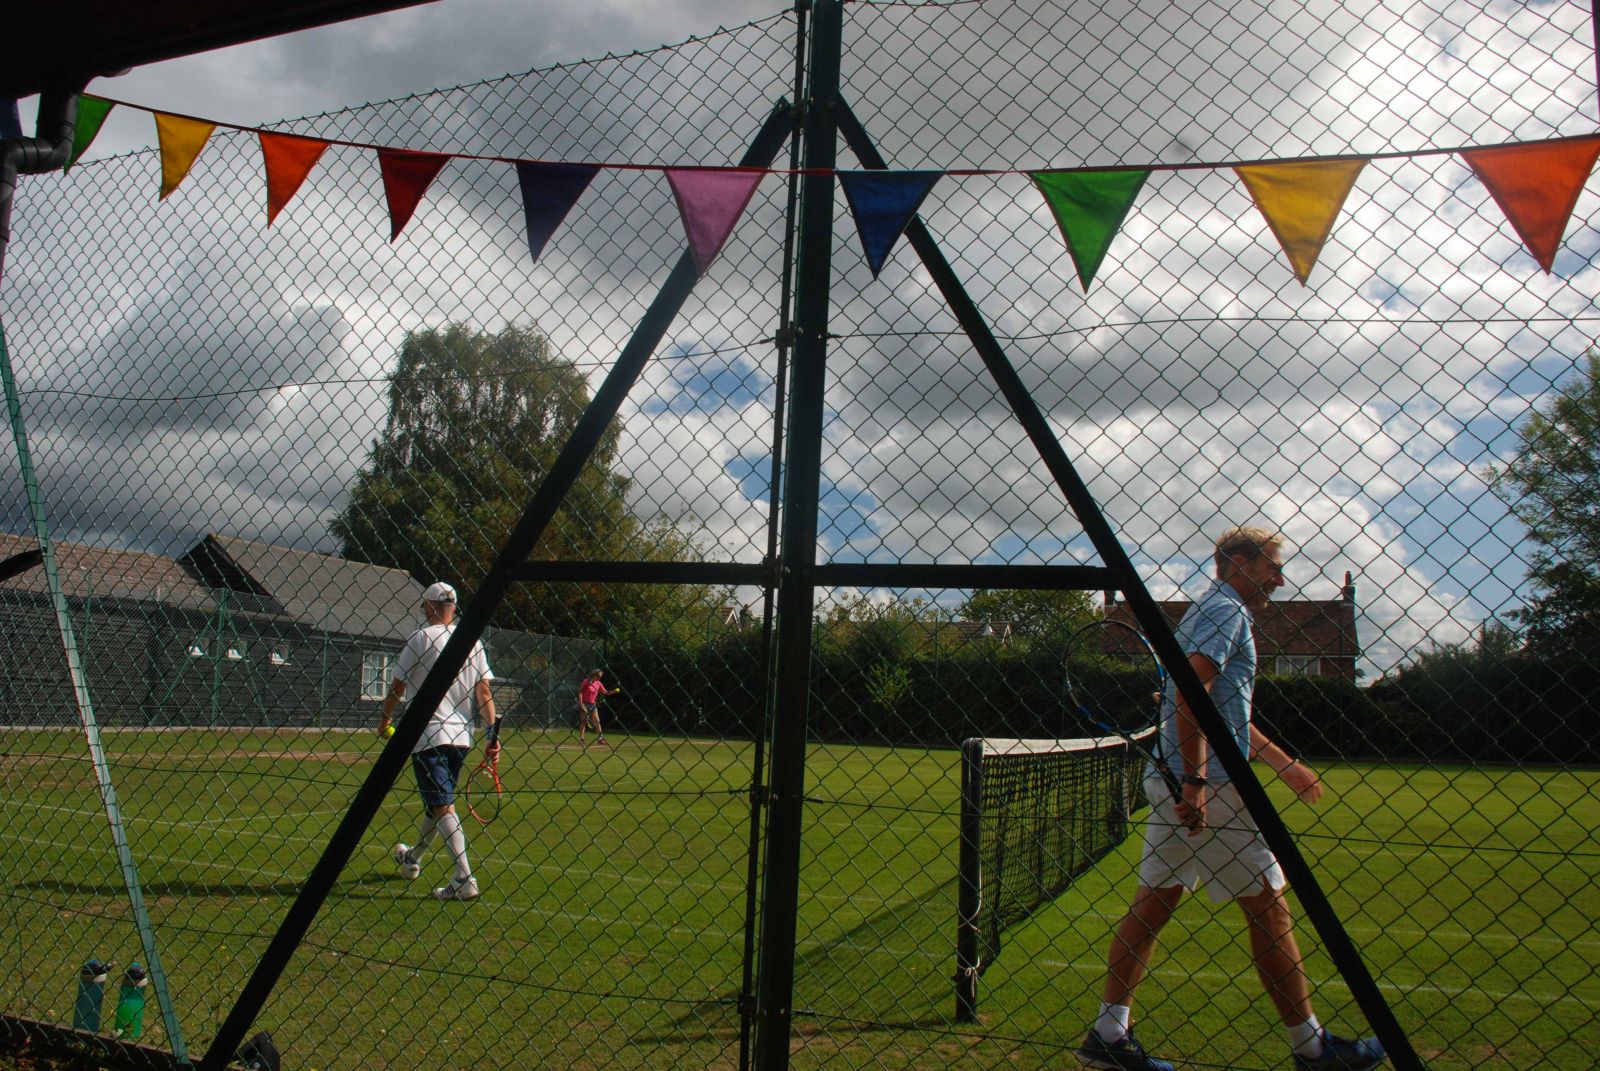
x=1195 y=384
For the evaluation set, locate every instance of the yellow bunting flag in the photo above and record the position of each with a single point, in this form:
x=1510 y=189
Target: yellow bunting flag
x=181 y=141
x=1300 y=202
x=288 y=159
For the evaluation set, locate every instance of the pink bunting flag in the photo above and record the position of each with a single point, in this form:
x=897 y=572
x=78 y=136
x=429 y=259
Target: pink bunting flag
x=710 y=201
x=406 y=177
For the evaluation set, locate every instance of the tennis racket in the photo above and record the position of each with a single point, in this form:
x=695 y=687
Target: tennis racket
x=482 y=791
x=1114 y=683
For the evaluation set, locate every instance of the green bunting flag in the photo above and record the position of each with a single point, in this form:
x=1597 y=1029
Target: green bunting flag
x=92 y=112
x=1089 y=207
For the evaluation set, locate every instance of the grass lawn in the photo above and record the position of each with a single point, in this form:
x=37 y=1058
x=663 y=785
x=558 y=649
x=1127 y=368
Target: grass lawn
x=611 y=929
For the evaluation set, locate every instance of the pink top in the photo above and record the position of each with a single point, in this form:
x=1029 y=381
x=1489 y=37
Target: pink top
x=589 y=691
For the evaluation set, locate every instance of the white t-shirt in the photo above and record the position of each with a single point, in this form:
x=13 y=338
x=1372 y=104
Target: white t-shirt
x=451 y=724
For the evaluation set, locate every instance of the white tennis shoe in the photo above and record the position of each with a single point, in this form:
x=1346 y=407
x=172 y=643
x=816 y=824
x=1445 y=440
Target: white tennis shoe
x=409 y=867
x=458 y=889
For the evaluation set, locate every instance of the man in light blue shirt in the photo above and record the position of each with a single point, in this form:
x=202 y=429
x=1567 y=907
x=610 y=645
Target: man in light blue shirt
x=1206 y=836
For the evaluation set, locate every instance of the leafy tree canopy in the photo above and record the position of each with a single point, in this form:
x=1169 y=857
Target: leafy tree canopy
x=1035 y=616
x=1552 y=484
x=475 y=421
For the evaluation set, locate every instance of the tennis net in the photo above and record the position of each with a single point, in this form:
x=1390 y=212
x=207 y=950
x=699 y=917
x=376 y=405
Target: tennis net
x=1035 y=814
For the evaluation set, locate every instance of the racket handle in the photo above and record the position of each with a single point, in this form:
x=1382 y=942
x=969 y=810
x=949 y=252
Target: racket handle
x=494 y=732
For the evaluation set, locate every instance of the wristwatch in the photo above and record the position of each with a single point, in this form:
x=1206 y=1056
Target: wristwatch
x=1195 y=779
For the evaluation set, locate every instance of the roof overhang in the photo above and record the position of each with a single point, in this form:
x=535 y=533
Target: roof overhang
x=62 y=44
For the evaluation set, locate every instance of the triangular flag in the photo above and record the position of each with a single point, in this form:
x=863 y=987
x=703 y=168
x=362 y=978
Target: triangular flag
x=181 y=140
x=1300 y=200
x=406 y=177
x=288 y=159
x=1537 y=186
x=883 y=203
x=1089 y=207
x=92 y=112
x=548 y=193
x=710 y=202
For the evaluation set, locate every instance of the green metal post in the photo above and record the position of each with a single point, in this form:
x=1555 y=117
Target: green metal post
x=91 y=727
x=790 y=696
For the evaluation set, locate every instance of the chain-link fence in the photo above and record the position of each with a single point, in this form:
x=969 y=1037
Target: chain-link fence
x=256 y=446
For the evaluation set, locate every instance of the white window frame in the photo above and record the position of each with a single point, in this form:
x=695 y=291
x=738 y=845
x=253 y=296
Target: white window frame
x=1298 y=665
x=375 y=688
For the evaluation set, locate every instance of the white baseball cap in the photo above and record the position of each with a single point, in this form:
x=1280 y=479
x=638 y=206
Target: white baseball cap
x=439 y=592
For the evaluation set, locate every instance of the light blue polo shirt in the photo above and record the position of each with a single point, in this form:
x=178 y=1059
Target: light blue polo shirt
x=1218 y=626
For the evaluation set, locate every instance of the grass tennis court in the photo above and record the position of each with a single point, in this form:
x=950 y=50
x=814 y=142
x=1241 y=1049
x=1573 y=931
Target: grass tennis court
x=611 y=925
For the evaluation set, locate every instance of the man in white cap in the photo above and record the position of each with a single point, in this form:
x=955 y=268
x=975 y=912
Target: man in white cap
x=439 y=753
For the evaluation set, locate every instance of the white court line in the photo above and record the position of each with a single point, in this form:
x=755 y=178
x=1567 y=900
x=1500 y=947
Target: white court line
x=1336 y=982
x=1462 y=938
x=653 y=925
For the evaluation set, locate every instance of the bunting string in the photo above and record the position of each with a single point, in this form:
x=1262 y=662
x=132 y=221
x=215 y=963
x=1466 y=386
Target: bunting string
x=1536 y=184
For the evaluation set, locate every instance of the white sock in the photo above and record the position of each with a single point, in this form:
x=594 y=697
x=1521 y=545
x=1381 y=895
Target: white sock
x=1305 y=1039
x=1113 y=1021
x=455 y=839
x=425 y=831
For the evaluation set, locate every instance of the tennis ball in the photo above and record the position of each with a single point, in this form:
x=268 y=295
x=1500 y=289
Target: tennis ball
x=388 y=731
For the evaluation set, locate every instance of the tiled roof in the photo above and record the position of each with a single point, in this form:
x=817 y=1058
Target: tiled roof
x=103 y=572
x=321 y=591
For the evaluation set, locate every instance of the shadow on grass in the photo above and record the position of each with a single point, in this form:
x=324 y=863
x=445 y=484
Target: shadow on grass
x=366 y=883
x=887 y=972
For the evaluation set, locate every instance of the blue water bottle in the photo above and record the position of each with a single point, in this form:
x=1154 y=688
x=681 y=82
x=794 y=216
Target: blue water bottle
x=91 y=991
x=130 y=1003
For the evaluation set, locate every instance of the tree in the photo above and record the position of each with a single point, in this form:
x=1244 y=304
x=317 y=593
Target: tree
x=1552 y=485
x=1036 y=616
x=475 y=421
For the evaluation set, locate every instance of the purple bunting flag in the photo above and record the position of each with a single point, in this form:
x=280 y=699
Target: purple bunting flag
x=548 y=193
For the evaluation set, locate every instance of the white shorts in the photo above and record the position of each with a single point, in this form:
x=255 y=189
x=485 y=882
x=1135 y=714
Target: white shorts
x=1228 y=856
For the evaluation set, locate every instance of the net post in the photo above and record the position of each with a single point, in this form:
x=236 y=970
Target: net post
x=969 y=882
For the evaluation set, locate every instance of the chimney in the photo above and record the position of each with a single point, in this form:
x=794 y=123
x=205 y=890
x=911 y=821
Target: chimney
x=1349 y=589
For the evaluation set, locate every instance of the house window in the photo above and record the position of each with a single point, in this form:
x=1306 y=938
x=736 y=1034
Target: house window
x=279 y=655
x=1299 y=665
x=375 y=674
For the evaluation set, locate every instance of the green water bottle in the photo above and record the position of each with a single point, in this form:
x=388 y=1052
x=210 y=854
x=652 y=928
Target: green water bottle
x=130 y=1003
x=91 y=992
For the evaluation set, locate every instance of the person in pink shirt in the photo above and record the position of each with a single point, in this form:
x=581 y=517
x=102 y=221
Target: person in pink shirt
x=589 y=693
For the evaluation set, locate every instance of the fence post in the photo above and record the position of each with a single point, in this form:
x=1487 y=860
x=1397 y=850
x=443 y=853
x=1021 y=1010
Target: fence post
x=790 y=698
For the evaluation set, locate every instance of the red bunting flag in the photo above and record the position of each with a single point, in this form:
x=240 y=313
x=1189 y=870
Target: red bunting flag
x=406 y=177
x=288 y=160
x=1537 y=187
x=710 y=202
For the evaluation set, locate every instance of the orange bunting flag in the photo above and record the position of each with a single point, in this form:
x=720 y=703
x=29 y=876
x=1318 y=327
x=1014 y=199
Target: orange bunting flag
x=406 y=177
x=1300 y=202
x=1537 y=187
x=181 y=140
x=288 y=161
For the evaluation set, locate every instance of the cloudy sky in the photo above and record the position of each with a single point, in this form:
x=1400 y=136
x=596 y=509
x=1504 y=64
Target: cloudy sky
x=187 y=370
